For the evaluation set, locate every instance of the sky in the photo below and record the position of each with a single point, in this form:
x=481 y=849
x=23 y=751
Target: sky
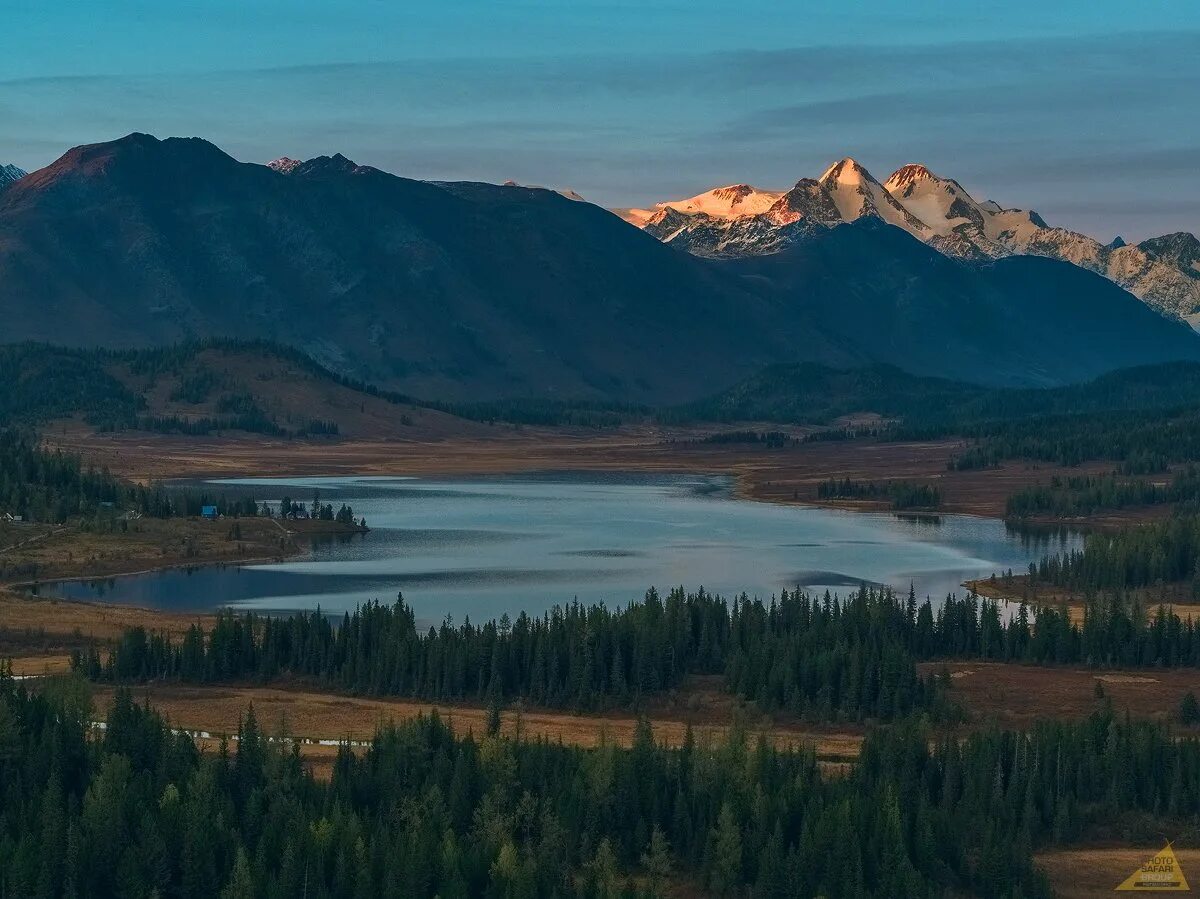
x=1085 y=110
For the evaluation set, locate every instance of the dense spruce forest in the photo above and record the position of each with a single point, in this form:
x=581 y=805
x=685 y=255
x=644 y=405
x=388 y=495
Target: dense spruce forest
x=49 y=486
x=823 y=659
x=1140 y=442
x=425 y=811
x=1143 y=556
x=815 y=658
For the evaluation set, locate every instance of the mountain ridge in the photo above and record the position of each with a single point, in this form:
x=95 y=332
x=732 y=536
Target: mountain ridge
x=470 y=292
x=1162 y=271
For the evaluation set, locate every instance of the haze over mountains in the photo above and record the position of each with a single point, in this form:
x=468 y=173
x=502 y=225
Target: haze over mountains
x=740 y=220
x=476 y=291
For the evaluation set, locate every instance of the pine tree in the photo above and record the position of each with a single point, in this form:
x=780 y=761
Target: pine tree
x=725 y=867
x=656 y=860
x=241 y=880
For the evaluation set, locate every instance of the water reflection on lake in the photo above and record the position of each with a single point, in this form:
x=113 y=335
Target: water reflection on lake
x=484 y=546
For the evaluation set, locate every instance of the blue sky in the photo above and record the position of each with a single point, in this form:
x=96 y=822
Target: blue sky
x=1085 y=111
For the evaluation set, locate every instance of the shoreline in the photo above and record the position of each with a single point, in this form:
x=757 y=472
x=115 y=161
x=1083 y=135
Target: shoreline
x=778 y=476
x=789 y=475
x=735 y=488
x=300 y=540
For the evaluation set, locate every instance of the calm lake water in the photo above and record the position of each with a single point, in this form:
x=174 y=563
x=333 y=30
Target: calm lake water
x=484 y=546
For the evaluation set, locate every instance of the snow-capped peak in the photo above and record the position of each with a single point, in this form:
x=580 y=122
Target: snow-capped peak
x=856 y=193
x=729 y=202
x=909 y=174
x=10 y=173
x=846 y=171
x=734 y=193
x=285 y=165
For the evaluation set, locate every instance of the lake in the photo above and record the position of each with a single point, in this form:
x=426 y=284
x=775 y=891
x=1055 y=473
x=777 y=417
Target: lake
x=484 y=546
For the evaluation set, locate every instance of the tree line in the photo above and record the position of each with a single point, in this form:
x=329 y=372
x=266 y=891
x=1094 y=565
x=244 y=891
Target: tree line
x=51 y=486
x=819 y=658
x=1081 y=495
x=815 y=658
x=1147 y=555
x=901 y=494
x=1141 y=441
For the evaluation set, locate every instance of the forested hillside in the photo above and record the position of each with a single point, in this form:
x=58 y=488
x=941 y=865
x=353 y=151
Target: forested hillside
x=206 y=387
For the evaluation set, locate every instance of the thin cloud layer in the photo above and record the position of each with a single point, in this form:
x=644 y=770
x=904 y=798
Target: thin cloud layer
x=1093 y=132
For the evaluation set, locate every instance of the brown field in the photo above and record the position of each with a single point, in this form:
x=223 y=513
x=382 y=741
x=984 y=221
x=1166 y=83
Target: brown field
x=308 y=712
x=40 y=634
x=1085 y=873
x=60 y=619
x=37 y=665
x=1018 y=695
x=784 y=475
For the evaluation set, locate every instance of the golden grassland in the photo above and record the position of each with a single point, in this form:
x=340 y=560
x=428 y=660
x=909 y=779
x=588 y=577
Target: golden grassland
x=63 y=621
x=307 y=712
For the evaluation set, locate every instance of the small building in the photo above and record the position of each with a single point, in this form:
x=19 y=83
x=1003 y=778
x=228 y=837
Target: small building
x=209 y=512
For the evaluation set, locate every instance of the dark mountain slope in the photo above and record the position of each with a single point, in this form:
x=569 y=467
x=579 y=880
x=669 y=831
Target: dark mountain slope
x=473 y=291
x=462 y=291
x=1017 y=321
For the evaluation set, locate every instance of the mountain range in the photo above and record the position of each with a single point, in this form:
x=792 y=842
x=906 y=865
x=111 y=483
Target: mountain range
x=740 y=220
x=468 y=291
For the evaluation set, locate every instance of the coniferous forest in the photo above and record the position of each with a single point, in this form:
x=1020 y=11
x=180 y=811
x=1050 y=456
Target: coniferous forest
x=817 y=658
x=136 y=810
x=824 y=659
x=50 y=486
x=1143 y=556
